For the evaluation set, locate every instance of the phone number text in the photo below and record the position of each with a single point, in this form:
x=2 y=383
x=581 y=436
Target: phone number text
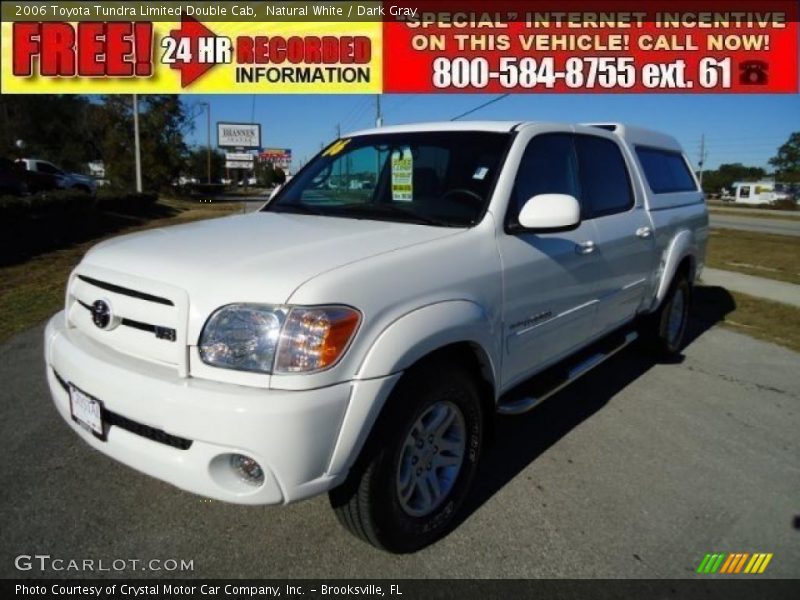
x=512 y=72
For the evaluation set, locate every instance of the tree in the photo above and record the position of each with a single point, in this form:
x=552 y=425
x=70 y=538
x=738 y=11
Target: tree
x=60 y=128
x=268 y=175
x=197 y=164
x=787 y=161
x=162 y=123
x=727 y=174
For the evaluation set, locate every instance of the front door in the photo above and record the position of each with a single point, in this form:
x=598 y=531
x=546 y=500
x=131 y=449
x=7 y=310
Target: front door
x=551 y=284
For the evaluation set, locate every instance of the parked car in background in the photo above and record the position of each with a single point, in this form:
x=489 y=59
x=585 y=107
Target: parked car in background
x=43 y=176
x=12 y=179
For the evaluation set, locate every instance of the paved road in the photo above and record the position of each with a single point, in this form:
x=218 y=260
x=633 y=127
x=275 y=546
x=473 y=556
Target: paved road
x=637 y=470
x=760 y=287
x=751 y=223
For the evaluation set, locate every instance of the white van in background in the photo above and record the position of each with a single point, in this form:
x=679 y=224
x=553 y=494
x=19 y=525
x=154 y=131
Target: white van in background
x=760 y=192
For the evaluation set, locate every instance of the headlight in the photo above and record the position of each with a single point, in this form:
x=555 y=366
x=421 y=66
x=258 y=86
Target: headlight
x=253 y=337
x=242 y=337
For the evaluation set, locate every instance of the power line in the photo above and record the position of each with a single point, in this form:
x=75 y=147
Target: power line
x=395 y=107
x=480 y=106
x=356 y=113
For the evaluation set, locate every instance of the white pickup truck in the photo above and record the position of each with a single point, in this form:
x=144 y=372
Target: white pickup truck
x=358 y=339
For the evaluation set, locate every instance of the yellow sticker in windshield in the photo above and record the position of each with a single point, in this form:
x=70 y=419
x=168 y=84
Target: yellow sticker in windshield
x=336 y=147
x=402 y=176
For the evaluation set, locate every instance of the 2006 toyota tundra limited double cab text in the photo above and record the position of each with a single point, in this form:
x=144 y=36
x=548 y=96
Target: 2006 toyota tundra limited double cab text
x=356 y=335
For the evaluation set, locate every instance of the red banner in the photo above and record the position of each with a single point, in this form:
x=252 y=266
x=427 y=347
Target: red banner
x=593 y=46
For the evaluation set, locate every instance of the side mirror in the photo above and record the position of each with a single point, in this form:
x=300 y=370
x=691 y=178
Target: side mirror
x=550 y=212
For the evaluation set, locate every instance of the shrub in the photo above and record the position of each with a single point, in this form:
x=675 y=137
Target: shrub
x=206 y=189
x=61 y=203
x=784 y=204
x=67 y=204
x=125 y=202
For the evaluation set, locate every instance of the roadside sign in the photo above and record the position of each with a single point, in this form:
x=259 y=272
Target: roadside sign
x=239 y=156
x=238 y=164
x=239 y=160
x=238 y=135
x=281 y=157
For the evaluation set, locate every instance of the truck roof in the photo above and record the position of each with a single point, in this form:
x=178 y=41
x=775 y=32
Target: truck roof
x=493 y=126
x=630 y=133
x=639 y=136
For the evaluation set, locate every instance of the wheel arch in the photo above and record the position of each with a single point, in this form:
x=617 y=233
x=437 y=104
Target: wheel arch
x=679 y=257
x=459 y=331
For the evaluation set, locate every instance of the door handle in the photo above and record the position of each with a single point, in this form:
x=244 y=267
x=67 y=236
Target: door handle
x=585 y=247
x=644 y=232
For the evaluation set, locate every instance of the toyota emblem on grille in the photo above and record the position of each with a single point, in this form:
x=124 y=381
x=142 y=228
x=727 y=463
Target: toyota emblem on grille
x=102 y=315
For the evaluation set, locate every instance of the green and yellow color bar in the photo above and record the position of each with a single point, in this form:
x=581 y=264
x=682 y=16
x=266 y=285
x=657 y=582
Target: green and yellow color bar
x=734 y=563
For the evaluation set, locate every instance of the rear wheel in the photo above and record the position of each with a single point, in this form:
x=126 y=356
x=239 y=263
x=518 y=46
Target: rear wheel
x=664 y=331
x=416 y=469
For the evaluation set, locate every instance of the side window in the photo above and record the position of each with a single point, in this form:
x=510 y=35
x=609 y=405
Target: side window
x=666 y=172
x=605 y=184
x=549 y=166
x=745 y=191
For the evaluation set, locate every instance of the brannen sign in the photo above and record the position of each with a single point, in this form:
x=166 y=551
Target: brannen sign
x=238 y=135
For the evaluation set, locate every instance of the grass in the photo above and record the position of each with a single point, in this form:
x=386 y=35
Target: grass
x=760 y=254
x=761 y=319
x=32 y=291
x=768 y=210
x=754 y=214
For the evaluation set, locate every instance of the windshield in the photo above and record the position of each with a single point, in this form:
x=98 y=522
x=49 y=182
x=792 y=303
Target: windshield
x=432 y=178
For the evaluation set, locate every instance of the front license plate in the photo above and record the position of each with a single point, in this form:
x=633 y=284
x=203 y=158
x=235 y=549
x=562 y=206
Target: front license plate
x=86 y=411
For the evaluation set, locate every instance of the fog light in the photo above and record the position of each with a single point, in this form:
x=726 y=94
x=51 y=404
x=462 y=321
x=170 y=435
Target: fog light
x=247 y=469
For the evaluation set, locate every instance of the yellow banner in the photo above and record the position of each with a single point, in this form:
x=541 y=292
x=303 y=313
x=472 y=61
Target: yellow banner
x=191 y=57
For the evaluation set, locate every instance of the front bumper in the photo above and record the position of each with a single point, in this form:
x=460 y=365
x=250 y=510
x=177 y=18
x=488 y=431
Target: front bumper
x=292 y=434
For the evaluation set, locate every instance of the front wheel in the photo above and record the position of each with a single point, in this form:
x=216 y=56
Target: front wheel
x=416 y=469
x=664 y=331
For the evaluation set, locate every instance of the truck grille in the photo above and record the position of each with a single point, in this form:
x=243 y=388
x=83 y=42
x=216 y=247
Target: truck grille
x=162 y=333
x=140 y=318
x=104 y=285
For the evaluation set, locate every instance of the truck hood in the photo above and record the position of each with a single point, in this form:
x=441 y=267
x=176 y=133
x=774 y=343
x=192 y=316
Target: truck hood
x=259 y=257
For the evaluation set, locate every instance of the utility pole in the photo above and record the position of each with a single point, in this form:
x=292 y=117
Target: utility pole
x=208 y=142
x=378 y=115
x=338 y=131
x=701 y=163
x=136 y=145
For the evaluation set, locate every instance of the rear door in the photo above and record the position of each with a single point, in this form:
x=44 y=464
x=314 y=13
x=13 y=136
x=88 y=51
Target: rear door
x=623 y=233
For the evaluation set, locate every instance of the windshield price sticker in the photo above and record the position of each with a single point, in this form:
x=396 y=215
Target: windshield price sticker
x=402 y=177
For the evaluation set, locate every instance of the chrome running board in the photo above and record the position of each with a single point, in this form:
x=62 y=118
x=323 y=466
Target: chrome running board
x=540 y=387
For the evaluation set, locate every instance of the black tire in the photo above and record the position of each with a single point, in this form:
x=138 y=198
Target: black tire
x=659 y=331
x=368 y=503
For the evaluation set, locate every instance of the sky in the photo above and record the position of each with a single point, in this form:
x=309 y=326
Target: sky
x=737 y=128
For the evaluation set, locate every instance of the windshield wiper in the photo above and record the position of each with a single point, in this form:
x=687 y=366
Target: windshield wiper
x=376 y=210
